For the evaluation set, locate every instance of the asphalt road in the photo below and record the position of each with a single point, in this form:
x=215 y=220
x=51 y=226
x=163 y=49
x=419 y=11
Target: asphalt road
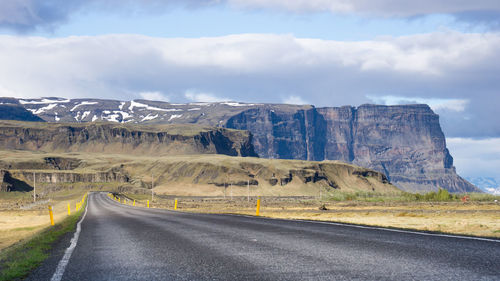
x=120 y=242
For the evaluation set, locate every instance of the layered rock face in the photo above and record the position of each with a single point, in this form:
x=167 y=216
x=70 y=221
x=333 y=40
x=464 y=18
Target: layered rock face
x=404 y=142
x=121 y=139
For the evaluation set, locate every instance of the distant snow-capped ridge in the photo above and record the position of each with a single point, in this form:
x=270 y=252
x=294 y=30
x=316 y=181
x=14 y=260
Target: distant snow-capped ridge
x=55 y=109
x=488 y=184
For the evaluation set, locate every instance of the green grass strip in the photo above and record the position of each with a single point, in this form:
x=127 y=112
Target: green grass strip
x=18 y=261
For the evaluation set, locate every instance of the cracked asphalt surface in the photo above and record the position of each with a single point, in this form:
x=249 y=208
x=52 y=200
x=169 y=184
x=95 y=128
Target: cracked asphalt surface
x=120 y=242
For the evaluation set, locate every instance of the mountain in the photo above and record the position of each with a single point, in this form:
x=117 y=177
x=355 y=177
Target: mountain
x=404 y=142
x=17 y=112
x=487 y=184
x=106 y=137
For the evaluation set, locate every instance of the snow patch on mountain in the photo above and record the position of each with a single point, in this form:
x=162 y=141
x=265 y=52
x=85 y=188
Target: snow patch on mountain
x=44 y=101
x=43 y=109
x=237 y=104
x=125 y=115
x=174 y=117
x=111 y=117
x=85 y=114
x=83 y=103
x=149 y=117
x=134 y=104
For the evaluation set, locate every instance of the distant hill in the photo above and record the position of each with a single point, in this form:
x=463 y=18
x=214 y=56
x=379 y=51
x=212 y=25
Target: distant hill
x=198 y=175
x=17 y=112
x=487 y=184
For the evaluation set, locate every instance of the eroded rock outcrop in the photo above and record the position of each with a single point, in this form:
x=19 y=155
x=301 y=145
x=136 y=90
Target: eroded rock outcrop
x=124 y=139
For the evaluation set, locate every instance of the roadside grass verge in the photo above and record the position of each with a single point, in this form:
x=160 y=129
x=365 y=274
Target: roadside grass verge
x=441 y=195
x=19 y=260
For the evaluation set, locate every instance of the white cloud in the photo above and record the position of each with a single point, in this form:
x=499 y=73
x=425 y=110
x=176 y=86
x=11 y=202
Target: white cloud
x=454 y=72
x=476 y=157
x=156 y=96
x=196 y=96
x=457 y=105
x=294 y=100
x=4 y=92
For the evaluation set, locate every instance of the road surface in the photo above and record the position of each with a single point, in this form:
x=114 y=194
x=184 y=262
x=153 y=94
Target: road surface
x=119 y=242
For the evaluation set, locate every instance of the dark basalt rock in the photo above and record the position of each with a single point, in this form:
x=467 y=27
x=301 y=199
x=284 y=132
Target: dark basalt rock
x=9 y=183
x=18 y=113
x=405 y=142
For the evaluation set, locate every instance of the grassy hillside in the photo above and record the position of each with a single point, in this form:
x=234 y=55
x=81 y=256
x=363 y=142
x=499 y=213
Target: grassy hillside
x=203 y=175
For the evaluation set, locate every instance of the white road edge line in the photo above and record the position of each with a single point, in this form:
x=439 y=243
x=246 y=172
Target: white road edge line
x=61 y=267
x=378 y=228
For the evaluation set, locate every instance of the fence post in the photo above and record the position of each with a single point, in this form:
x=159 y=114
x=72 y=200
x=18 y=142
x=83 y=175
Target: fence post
x=257 y=212
x=51 y=215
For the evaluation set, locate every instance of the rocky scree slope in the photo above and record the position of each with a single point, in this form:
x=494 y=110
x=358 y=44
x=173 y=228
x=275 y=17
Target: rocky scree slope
x=404 y=142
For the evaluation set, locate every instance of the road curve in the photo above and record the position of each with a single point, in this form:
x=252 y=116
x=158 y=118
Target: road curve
x=119 y=242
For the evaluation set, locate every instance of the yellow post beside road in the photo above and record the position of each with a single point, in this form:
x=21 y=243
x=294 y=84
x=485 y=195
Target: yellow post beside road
x=51 y=215
x=148 y=203
x=175 y=206
x=69 y=210
x=257 y=212
x=134 y=202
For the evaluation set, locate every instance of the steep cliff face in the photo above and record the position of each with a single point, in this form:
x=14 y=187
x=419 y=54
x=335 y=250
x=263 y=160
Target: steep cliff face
x=284 y=132
x=404 y=142
x=115 y=138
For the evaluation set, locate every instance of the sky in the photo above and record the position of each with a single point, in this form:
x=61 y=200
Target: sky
x=444 y=53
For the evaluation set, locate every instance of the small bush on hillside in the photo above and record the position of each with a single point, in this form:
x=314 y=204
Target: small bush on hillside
x=441 y=195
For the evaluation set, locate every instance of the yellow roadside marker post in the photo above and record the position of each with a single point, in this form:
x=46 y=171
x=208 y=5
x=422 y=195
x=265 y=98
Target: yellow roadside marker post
x=76 y=206
x=134 y=202
x=257 y=212
x=51 y=215
x=69 y=210
x=148 y=203
x=175 y=206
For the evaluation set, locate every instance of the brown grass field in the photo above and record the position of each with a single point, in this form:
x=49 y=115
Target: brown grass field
x=476 y=218
x=20 y=218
